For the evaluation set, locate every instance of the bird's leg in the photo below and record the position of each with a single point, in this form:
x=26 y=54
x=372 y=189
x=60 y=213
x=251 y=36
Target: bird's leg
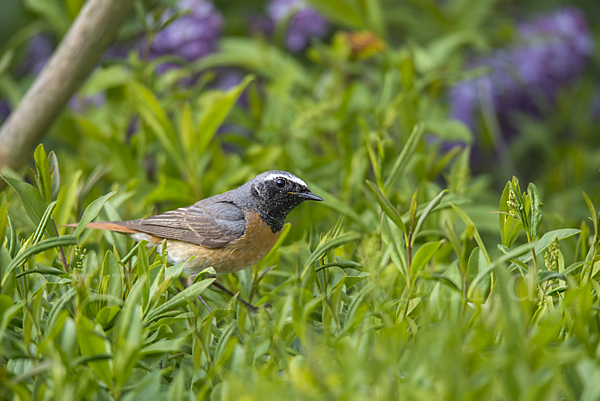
x=248 y=305
x=189 y=282
x=190 y=279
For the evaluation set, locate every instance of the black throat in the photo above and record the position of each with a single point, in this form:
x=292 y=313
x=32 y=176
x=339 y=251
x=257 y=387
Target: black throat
x=275 y=222
x=274 y=211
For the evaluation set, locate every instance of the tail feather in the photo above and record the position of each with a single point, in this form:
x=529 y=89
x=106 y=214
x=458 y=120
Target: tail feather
x=108 y=225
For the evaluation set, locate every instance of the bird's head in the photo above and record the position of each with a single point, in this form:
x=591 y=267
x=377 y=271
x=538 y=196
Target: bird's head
x=276 y=193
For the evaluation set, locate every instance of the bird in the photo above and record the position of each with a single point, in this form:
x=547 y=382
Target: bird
x=228 y=232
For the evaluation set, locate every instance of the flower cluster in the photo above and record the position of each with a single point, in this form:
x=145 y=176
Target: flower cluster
x=511 y=203
x=39 y=51
x=551 y=255
x=552 y=51
x=191 y=36
x=303 y=22
x=4 y=110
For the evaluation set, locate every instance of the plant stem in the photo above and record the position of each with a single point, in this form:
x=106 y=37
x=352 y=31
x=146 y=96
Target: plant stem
x=63 y=259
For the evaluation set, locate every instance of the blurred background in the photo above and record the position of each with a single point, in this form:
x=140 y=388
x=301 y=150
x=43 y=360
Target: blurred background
x=380 y=106
x=336 y=86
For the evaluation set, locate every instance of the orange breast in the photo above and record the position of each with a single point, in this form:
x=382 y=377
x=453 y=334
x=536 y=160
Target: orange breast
x=239 y=254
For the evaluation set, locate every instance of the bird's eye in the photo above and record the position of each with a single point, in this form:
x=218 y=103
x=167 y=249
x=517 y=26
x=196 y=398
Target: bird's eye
x=280 y=182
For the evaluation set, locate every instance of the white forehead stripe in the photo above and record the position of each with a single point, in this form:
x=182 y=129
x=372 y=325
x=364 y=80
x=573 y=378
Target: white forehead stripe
x=290 y=177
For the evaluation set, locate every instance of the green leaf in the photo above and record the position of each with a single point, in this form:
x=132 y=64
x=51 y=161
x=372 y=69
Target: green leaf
x=386 y=205
x=405 y=155
x=423 y=256
x=58 y=307
x=450 y=131
x=426 y=275
x=43 y=223
x=93 y=342
x=3 y=222
x=412 y=211
x=13 y=243
x=163 y=346
x=595 y=217
x=188 y=295
x=170 y=189
x=91 y=212
x=54 y=175
x=430 y=206
x=116 y=279
x=341 y=263
x=52 y=12
x=43 y=178
x=5 y=60
x=67 y=199
x=542 y=243
x=39 y=247
x=186 y=129
x=498 y=262
x=469 y=223
x=374 y=17
x=154 y=115
x=42 y=270
x=106 y=316
x=395 y=240
x=213 y=115
x=510 y=227
x=323 y=248
x=32 y=202
x=339 y=11
x=164 y=279
x=536 y=209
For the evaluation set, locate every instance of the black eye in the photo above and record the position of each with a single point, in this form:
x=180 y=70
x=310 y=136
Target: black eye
x=280 y=182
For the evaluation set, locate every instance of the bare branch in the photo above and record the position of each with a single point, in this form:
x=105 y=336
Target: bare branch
x=78 y=54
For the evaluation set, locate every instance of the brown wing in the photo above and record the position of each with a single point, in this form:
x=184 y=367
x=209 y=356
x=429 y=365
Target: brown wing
x=212 y=225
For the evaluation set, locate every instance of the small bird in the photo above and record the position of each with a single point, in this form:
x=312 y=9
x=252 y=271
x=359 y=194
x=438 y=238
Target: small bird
x=229 y=231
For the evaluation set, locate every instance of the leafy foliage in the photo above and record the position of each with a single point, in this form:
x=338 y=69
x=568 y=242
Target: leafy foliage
x=400 y=285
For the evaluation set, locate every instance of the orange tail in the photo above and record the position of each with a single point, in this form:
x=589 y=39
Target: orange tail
x=107 y=225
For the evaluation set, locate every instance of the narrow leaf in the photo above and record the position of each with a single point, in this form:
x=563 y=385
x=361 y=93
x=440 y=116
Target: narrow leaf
x=39 y=247
x=405 y=155
x=212 y=117
x=430 y=206
x=467 y=220
x=43 y=174
x=182 y=298
x=386 y=205
x=91 y=212
x=32 y=202
x=423 y=256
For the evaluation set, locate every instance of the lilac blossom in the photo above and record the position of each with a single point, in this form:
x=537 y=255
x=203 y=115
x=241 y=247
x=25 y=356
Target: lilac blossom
x=39 y=51
x=4 y=110
x=191 y=36
x=303 y=22
x=79 y=104
x=552 y=51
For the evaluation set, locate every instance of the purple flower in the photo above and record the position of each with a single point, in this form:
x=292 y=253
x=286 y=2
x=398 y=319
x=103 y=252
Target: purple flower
x=260 y=24
x=552 y=51
x=39 y=51
x=303 y=22
x=4 y=110
x=192 y=35
x=79 y=104
x=120 y=50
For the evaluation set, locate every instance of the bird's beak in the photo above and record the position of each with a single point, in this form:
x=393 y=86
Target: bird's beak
x=307 y=196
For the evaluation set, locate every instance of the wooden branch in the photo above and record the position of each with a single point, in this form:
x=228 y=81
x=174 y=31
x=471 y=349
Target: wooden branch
x=77 y=55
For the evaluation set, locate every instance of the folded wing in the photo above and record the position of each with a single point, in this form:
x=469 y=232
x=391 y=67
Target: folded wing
x=212 y=225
